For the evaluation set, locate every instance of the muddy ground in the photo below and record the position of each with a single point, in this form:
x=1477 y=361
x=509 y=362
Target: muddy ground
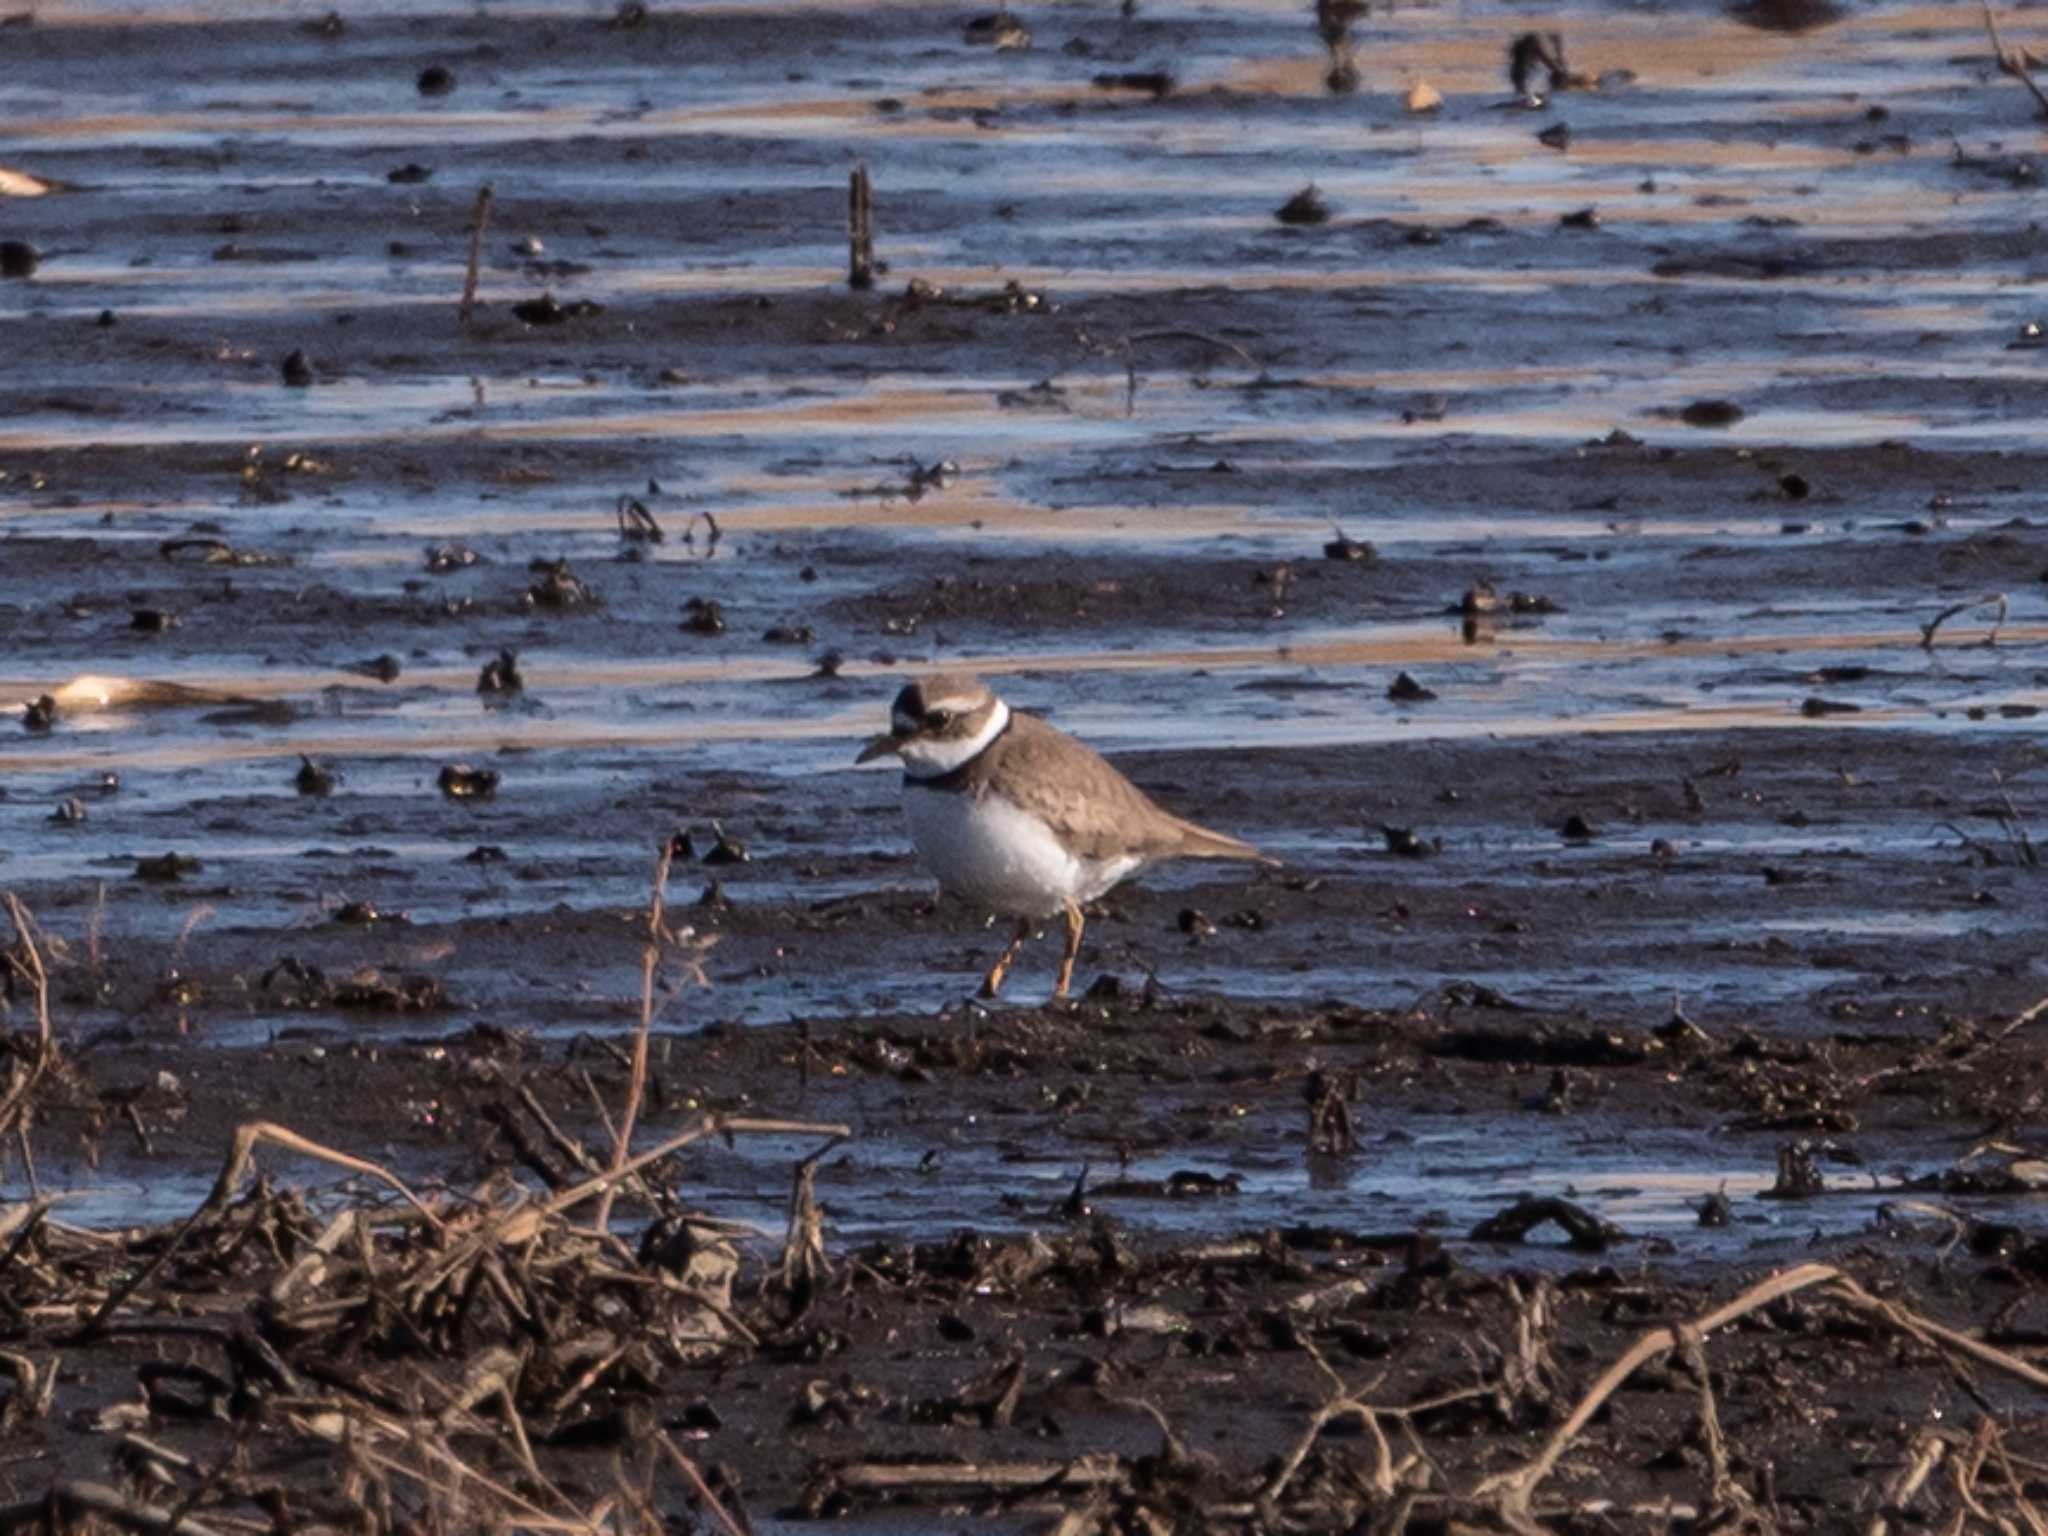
x=1694 y=887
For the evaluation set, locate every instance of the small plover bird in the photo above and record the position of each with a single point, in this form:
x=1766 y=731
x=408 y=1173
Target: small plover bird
x=1021 y=819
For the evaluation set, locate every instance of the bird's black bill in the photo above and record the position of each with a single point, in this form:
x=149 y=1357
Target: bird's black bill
x=881 y=746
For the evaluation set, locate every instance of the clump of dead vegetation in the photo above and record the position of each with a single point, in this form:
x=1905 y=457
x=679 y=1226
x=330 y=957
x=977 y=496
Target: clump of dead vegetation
x=411 y=1357
x=533 y=1353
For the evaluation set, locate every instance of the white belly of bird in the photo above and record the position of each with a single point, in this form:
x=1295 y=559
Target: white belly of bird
x=986 y=851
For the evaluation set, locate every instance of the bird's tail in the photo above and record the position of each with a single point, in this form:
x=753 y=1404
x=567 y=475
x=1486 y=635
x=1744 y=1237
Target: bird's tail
x=1200 y=843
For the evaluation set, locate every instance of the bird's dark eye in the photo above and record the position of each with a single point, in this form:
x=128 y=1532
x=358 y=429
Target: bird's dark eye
x=938 y=719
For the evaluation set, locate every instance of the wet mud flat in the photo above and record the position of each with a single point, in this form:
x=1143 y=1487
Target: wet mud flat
x=1603 y=561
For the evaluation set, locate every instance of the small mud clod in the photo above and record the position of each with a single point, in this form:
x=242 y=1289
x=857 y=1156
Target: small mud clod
x=1407 y=843
x=1306 y=207
x=1405 y=690
x=1711 y=413
x=443 y=558
x=379 y=669
x=703 y=616
x=727 y=849
x=1344 y=547
x=549 y=310
x=435 y=80
x=998 y=29
x=558 y=588
x=166 y=868
x=18 y=259
x=313 y=779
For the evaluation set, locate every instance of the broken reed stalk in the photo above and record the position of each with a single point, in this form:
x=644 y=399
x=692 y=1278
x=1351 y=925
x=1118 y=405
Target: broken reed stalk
x=636 y=1078
x=1928 y=1449
x=860 y=230
x=24 y=959
x=478 y=218
x=1511 y=1492
x=2012 y=61
x=695 y=1479
x=1132 y=343
x=241 y=1152
x=82 y=1501
x=1988 y=600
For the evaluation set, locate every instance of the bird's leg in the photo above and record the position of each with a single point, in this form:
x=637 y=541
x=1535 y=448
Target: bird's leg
x=1074 y=922
x=992 y=983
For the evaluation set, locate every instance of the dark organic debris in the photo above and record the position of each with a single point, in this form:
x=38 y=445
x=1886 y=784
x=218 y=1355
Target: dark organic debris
x=1405 y=690
x=1407 y=843
x=411 y=174
x=460 y=781
x=436 y=80
x=1584 y=218
x=313 y=779
x=1533 y=53
x=1787 y=15
x=1815 y=707
x=1332 y=1130
x=548 y=310
x=559 y=588
x=297 y=370
x=703 y=616
x=1483 y=600
x=1799 y=1175
x=1711 y=413
x=152 y=621
x=1344 y=547
x=725 y=848
x=443 y=558
x=1585 y=1230
x=636 y=523
x=1577 y=829
x=997 y=29
x=500 y=675
x=382 y=669
x=18 y=259
x=1306 y=207
x=166 y=867
x=1156 y=83
x=1334 y=20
